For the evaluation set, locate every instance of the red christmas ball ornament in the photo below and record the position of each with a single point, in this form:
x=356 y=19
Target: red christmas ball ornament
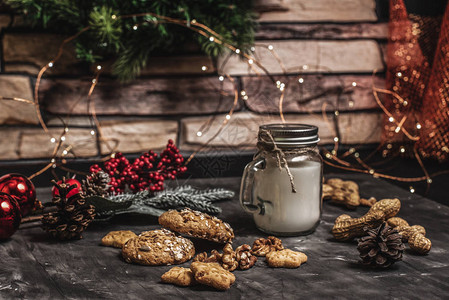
x=22 y=189
x=10 y=216
x=72 y=181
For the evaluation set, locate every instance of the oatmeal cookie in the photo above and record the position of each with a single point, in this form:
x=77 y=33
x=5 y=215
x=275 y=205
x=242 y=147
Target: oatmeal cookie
x=285 y=259
x=212 y=274
x=197 y=224
x=158 y=247
x=117 y=238
x=179 y=276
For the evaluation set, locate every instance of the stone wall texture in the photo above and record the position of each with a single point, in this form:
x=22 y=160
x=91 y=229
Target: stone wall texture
x=323 y=51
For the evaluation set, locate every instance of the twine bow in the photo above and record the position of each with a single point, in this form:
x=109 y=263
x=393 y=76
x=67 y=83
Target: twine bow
x=266 y=143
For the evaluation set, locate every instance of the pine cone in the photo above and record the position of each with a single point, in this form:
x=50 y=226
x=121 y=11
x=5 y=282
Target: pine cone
x=382 y=247
x=96 y=184
x=72 y=217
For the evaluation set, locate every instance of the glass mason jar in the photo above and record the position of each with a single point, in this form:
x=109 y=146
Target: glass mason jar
x=281 y=187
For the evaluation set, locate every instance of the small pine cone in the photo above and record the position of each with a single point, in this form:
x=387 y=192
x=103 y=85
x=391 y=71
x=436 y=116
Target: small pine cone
x=228 y=259
x=72 y=217
x=96 y=184
x=382 y=247
x=263 y=246
x=244 y=257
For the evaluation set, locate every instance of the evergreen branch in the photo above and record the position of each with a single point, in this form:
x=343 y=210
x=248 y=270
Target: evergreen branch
x=177 y=198
x=131 y=41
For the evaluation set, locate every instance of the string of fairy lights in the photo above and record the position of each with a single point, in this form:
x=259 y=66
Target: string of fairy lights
x=61 y=149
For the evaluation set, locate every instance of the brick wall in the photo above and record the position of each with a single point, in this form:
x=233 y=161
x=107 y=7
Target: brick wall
x=174 y=97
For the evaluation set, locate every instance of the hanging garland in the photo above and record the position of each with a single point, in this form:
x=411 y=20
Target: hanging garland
x=121 y=30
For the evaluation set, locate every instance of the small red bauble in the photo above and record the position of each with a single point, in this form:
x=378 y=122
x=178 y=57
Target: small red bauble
x=22 y=189
x=10 y=216
x=71 y=181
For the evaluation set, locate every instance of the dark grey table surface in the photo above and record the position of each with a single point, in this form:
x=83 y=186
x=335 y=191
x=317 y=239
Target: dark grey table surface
x=35 y=267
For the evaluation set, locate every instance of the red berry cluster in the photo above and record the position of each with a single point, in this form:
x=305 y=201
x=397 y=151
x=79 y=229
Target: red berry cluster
x=142 y=174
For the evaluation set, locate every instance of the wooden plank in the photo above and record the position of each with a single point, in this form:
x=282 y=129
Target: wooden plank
x=242 y=129
x=9 y=149
x=280 y=31
x=169 y=65
x=316 y=11
x=357 y=56
x=138 y=136
x=28 y=52
x=35 y=143
x=13 y=112
x=336 y=92
x=158 y=96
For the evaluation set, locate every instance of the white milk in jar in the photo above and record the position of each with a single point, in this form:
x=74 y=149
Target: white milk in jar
x=267 y=190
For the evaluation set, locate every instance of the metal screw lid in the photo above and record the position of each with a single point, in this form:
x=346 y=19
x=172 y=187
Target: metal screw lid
x=291 y=134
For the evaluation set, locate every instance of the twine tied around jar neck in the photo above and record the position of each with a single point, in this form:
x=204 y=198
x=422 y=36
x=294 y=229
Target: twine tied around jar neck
x=267 y=144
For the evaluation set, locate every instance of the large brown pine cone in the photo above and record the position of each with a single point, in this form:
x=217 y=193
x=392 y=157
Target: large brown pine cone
x=382 y=247
x=72 y=217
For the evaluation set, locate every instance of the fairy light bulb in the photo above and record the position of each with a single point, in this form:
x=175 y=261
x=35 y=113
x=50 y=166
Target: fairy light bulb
x=337 y=113
x=211 y=39
x=399 y=74
x=53 y=140
x=402 y=149
x=98 y=67
x=253 y=49
x=62 y=138
x=397 y=129
x=354 y=84
x=429 y=180
x=305 y=67
x=66 y=129
x=301 y=80
x=64 y=152
x=113 y=17
x=391 y=119
x=199 y=133
x=228 y=117
x=203 y=68
x=221 y=78
x=270 y=47
x=92 y=132
x=418 y=126
x=371 y=171
x=250 y=61
x=53 y=160
x=412 y=189
x=135 y=27
x=237 y=51
x=50 y=64
x=336 y=139
x=243 y=93
x=350 y=103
